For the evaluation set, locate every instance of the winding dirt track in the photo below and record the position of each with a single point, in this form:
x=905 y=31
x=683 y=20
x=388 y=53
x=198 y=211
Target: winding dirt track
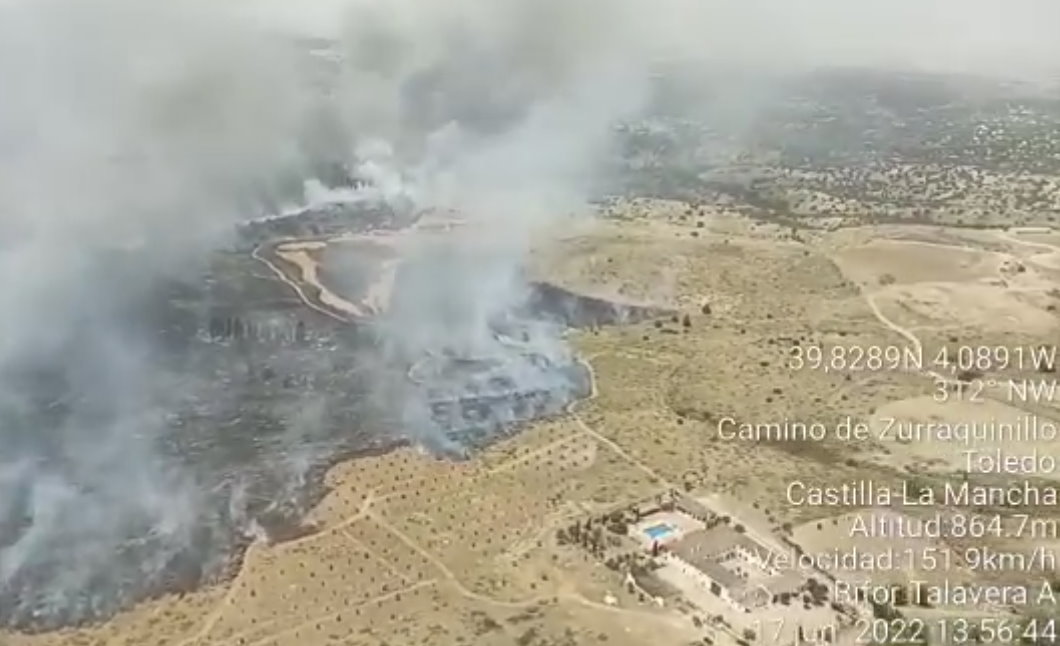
x=310 y=303
x=911 y=336
x=294 y=253
x=444 y=575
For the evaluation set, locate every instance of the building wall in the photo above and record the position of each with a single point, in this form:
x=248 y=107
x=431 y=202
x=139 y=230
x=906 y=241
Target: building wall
x=704 y=581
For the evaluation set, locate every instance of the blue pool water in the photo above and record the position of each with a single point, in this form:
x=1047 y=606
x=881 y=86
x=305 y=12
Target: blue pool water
x=656 y=532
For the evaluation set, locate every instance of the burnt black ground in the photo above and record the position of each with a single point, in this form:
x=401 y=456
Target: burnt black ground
x=117 y=487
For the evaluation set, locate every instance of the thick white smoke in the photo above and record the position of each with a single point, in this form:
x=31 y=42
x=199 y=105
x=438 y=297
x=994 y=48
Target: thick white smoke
x=143 y=129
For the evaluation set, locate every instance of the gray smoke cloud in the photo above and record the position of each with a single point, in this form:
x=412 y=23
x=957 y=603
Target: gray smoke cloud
x=135 y=133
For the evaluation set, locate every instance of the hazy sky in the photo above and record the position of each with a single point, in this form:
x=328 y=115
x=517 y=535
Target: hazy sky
x=154 y=122
x=999 y=36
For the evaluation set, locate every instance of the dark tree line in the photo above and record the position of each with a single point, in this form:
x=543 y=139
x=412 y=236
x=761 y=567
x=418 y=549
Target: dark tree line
x=234 y=327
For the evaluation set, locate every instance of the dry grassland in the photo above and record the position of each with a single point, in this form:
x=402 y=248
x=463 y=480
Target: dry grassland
x=413 y=550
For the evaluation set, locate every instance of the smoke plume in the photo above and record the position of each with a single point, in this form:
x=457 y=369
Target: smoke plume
x=134 y=134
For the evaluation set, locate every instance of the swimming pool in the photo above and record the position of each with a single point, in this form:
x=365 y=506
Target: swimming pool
x=655 y=532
